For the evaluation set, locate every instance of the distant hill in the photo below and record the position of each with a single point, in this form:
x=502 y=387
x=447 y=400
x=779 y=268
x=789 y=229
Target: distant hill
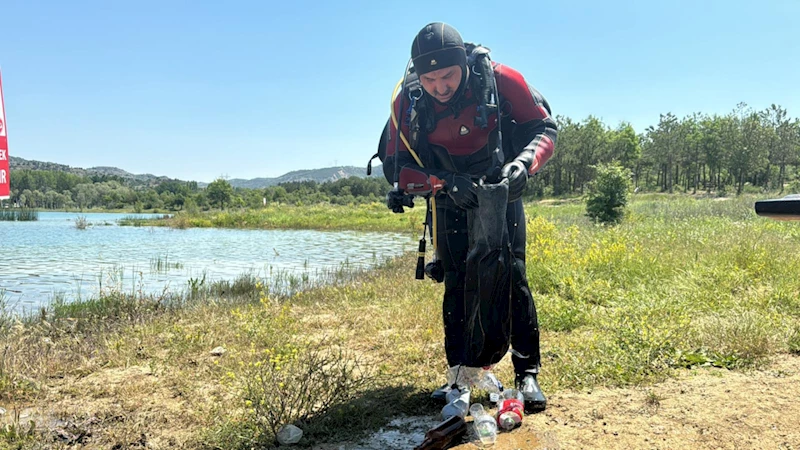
x=318 y=175
x=143 y=179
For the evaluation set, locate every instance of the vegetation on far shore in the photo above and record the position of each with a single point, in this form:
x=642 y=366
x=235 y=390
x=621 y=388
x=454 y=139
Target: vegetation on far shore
x=19 y=215
x=681 y=282
x=363 y=217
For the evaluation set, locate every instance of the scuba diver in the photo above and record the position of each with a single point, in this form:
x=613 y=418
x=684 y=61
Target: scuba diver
x=465 y=122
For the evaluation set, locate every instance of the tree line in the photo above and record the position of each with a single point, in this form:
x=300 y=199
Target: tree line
x=744 y=149
x=50 y=189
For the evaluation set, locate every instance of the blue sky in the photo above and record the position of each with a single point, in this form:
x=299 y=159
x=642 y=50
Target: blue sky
x=242 y=89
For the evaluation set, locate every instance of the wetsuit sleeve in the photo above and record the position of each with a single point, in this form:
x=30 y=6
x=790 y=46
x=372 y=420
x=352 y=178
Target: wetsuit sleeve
x=534 y=137
x=408 y=166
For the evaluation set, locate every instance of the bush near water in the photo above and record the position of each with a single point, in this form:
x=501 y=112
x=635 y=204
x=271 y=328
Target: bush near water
x=21 y=214
x=681 y=282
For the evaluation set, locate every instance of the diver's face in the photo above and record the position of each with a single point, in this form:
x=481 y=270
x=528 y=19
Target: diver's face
x=442 y=83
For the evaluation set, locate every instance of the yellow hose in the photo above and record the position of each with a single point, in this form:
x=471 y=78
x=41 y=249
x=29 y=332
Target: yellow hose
x=433 y=215
x=397 y=127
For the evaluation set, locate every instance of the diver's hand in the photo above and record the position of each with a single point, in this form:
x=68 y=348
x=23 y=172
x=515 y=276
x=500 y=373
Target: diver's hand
x=517 y=179
x=462 y=190
x=396 y=199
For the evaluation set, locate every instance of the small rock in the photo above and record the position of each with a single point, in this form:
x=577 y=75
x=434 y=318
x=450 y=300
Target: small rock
x=219 y=351
x=2 y=411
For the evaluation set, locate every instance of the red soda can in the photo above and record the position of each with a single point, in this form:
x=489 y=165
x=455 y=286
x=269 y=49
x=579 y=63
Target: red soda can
x=509 y=413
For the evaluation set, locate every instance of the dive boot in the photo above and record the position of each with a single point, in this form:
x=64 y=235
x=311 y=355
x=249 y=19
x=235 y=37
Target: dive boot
x=441 y=393
x=535 y=400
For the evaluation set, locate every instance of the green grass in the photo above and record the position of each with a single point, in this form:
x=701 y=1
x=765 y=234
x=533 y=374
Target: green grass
x=164 y=265
x=138 y=222
x=681 y=282
x=364 y=217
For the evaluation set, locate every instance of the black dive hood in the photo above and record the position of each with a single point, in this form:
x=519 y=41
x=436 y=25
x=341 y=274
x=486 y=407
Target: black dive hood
x=440 y=45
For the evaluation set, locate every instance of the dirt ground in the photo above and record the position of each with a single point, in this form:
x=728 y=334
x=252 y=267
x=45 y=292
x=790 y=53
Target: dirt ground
x=706 y=408
x=703 y=409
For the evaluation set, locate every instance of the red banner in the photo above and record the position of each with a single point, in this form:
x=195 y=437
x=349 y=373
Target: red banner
x=5 y=182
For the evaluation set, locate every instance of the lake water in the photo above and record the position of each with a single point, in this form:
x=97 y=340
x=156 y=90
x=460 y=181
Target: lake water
x=51 y=256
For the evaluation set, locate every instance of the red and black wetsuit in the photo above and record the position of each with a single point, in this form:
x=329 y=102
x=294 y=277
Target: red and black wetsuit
x=456 y=144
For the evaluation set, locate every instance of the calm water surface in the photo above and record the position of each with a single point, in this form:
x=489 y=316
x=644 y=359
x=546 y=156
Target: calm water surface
x=52 y=256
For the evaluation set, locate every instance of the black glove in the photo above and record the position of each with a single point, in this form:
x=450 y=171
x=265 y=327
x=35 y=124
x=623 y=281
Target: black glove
x=396 y=200
x=462 y=190
x=517 y=179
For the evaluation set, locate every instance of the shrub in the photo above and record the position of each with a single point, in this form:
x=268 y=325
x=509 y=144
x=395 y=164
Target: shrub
x=296 y=384
x=608 y=193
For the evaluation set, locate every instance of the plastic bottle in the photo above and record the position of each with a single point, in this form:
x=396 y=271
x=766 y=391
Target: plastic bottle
x=444 y=435
x=289 y=434
x=510 y=410
x=492 y=385
x=484 y=424
x=457 y=403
